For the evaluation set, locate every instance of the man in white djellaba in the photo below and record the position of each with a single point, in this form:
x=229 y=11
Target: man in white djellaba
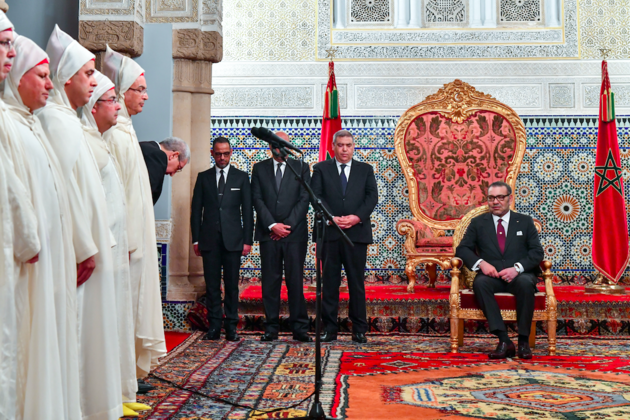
x=131 y=87
x=50 y=386
x=72 y=69
x=19 y=242
x=99 y=115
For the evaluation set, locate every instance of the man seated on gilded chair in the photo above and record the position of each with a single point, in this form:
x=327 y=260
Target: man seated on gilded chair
x=504 y=248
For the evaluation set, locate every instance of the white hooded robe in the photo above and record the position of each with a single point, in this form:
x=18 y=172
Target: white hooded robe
x=117 y=214
x=101 y=394
x=145 y=276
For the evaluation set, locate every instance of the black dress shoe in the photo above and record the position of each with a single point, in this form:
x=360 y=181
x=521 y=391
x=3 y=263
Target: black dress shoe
x=359 y=338
x=231 y=336
x=144 y=387
x=327 y=337
x=524 y=352
x=503 y=351
x=268 y=336
x=303 y=337
x=212 y=335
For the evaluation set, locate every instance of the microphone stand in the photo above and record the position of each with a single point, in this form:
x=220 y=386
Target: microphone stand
x=321 y=215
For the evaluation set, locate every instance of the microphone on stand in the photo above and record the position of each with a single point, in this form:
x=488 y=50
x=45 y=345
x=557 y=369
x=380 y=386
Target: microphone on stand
x=270 y=137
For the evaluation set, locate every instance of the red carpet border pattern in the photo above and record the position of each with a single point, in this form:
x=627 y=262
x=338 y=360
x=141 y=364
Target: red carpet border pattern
x=397 y=376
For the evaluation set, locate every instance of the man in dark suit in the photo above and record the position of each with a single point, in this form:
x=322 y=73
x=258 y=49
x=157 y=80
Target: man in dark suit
x=348 y=190
x=281 y=205
x=222 y=222
x=504 y=246
x=165 y=158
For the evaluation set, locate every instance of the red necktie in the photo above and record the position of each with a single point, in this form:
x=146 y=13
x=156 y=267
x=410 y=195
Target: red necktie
x=501 y=235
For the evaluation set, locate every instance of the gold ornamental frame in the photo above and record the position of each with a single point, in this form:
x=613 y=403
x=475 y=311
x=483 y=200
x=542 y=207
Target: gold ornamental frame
x=456 y=101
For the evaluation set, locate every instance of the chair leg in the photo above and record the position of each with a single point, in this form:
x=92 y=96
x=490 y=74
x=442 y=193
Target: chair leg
x=455 y=334
x=410 y=271
x=460 y=332
x=551 y=334
x=532 y=336
x=431 y=270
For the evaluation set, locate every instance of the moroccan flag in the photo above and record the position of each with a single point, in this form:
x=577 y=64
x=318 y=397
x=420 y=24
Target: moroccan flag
x=610 y=223
x=332 y=118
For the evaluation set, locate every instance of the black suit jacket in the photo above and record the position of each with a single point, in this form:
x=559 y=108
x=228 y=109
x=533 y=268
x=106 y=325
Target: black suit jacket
x=361 y=197
x=288 y=206
x=233 y=213
x=156 y=161
x=480 y=241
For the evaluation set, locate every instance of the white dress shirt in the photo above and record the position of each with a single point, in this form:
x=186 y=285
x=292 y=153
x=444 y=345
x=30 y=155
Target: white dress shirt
x=346 y=169
x=283 y=166
x=225 y=173
x=506 y=224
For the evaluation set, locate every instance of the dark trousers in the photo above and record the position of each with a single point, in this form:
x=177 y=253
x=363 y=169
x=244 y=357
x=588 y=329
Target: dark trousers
x=336 y=254
x=523 y=287
x=273 y=256
x=213 y=261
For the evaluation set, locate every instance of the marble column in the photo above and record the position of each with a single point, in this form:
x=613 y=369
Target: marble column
x=194 y=51
x=490 y=14
x=552 y=13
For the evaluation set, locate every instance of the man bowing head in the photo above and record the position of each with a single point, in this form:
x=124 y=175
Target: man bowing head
x=503 y=247
x=72 y=69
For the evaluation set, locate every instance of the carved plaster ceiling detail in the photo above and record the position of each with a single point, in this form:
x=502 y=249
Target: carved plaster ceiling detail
x=269 y=30
x=246 y=97
x=370 y=11
x=520 y=10
x=445 y=11
x=605 y=24
x=467 y=49
x=561 y=95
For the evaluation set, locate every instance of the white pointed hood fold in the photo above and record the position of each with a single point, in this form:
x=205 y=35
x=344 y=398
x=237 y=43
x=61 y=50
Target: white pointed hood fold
x=5 y=23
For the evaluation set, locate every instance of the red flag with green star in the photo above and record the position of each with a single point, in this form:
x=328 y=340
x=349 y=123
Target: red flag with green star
x=610 y=224
x=332 y=118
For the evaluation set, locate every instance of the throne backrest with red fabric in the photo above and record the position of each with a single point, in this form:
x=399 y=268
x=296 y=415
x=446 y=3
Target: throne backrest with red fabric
x=451 y=147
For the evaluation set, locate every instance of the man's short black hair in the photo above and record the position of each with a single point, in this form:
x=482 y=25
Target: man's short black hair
x=220 y=140
x=501 y=184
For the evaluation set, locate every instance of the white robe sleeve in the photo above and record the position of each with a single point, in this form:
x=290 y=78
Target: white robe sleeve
x=26 y=243
x=121 y=145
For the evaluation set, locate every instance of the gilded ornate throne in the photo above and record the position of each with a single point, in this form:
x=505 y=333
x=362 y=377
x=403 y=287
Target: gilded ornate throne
x=451 y=147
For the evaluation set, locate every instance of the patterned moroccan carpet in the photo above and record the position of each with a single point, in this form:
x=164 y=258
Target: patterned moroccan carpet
x=391 y=377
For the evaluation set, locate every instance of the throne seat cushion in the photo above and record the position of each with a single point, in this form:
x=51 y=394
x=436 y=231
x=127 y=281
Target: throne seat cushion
x=506 y=301
x=440 y=241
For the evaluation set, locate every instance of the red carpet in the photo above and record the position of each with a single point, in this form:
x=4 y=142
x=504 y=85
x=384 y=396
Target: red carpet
x=174 y=339
x=397 y=293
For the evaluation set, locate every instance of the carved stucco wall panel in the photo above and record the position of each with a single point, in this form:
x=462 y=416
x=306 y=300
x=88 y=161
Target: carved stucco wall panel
x=562 y=95
x=126 y=37
x=194 y=44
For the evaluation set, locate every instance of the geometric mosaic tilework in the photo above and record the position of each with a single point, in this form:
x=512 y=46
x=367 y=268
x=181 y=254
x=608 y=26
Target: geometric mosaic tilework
x=554 y=184
x=174 y=316
x=162 y=251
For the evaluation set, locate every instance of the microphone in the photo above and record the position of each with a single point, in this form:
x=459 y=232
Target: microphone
x=270 y=137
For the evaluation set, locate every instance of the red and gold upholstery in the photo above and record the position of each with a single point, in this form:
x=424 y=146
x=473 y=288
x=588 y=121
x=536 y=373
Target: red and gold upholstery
x=451 y=147
x=463 y=304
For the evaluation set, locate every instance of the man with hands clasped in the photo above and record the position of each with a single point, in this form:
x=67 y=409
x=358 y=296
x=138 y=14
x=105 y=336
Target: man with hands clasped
x=281 y=204
x=504 y=248
x=347 y=188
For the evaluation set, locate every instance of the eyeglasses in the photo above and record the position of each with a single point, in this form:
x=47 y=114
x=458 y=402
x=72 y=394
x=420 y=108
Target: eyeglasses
x=110 y=101
x=180 y=167
x=7 y=45
x=500 y=198
x=141 y=91
x=226 y=154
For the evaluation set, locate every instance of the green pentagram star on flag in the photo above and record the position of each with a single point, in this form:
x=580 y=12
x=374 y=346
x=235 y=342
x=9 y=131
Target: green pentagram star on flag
x=605 y=181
